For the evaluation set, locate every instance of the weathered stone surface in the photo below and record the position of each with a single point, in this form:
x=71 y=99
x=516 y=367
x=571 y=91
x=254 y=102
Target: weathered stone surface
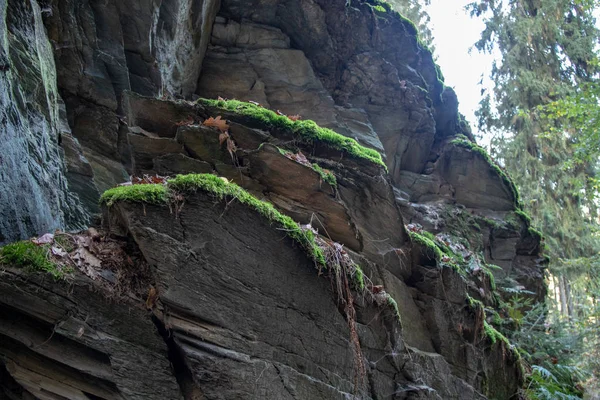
x=146 y=149
x=475 y=183
x=70 y=341
x=34 y=197
x=173 y=164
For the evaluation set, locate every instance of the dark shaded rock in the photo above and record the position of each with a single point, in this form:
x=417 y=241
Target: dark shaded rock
x=156 y=116
x=146 y=149
x=172 y=164
x=203 y=143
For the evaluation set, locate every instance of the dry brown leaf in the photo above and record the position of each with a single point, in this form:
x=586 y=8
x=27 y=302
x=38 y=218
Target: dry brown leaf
x=299 y=158
x=186 y=122
x=223 y=138
x=218 y=123
x=231 y=148
x=146 y=179
x=152 y=297
x=294 y=117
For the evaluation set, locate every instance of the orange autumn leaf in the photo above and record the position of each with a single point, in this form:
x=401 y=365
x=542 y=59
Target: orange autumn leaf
x=218 y=123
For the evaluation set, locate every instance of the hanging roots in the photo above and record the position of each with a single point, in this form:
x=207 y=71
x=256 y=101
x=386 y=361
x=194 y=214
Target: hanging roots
x=341 y=267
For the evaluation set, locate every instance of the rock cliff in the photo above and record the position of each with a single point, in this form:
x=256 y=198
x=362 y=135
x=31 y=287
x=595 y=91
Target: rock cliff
x=359 y=255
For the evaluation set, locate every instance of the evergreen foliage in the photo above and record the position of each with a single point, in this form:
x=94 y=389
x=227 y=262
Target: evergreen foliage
x=542 y=114
x=415 y=11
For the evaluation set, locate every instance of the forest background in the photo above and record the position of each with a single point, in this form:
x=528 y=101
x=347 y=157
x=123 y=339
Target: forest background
x=538 y=114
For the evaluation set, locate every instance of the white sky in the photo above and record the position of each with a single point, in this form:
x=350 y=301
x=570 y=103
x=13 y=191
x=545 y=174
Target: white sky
x=454 y=33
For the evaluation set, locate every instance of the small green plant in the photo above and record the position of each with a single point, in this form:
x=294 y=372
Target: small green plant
x=28 y=255
x=493 y=334
x=326 y=176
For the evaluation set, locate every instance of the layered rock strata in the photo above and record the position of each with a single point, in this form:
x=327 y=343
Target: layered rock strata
x=241 y=311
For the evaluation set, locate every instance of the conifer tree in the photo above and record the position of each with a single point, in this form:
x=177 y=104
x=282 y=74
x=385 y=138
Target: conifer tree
x=547 y=54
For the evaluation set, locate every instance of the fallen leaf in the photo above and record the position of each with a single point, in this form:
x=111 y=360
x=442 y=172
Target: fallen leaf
x=57 y=251
x=299 y=158
x=44 y=239
x=256 y=103
x=186 y=122
x=86 y=262
x=146 y=179
x=294 y=117
x=376 y=288
x=223 y=137
x=218 y=123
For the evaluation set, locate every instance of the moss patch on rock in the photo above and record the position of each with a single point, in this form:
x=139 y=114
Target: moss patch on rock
x=222 y=189
x=462 y=142
x=305 y=131
x=147 y=193
x=493 y=335
x=394 y=305
x=26 y=254
x=443 y=255
x=326 y=176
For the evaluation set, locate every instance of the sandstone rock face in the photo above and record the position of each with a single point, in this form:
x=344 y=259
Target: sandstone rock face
x=236 y=308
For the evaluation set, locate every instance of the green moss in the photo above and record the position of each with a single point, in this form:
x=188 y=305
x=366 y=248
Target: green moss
x=305 y=131
x=379 y=8
x=222 y=189
x=467 y=144
x=382 y=4
x=359 y=278
x=439 y=249
x=474 y=304
x=394 y=305
x=535 y=233
x=490 y=276
x=494 y=335
x=28 y=255
x=428 y=243
x=147 y=193
x=327 y=176
x=441 y=79
x=524 y=216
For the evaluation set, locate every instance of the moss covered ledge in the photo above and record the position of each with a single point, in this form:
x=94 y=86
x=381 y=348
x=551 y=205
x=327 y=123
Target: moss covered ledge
x=463 y=142
x=305 y=131
x=220 y=188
